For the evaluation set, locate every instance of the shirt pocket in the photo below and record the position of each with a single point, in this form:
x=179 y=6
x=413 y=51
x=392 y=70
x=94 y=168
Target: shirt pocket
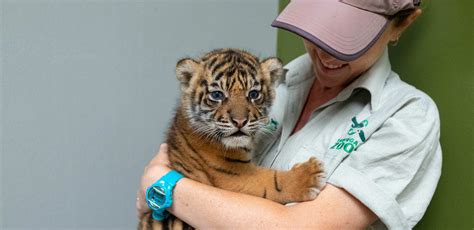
x=304 y=153
x=331 y=159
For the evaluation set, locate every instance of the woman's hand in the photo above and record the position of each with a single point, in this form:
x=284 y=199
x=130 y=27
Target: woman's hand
x=157 y=168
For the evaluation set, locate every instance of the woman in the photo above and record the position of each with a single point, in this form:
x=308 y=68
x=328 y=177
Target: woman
x=377 y=136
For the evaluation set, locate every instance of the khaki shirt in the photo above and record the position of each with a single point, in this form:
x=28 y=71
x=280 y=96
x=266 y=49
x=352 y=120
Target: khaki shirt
x=378 y=139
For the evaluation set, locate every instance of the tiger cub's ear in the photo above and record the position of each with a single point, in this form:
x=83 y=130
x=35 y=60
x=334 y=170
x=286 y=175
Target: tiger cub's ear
x=274 y=68
x=185 y=70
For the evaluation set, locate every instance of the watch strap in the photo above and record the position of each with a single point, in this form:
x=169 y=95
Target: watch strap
x=171 y=178
x=165 y=183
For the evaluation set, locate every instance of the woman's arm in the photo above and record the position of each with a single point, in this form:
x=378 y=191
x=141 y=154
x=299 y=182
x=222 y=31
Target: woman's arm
x=203 y=206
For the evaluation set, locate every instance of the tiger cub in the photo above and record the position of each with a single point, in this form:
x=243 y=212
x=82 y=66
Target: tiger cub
x=225 y=99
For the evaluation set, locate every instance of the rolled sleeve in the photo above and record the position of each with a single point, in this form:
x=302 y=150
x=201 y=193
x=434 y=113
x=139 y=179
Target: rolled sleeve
x=396 y=171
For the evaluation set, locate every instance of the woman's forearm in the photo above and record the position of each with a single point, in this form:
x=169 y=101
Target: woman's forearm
x=203 y=206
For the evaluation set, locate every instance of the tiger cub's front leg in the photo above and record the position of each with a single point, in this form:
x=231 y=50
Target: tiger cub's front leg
x=302 y=183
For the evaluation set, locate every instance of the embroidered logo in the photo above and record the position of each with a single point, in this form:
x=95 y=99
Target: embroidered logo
x=349 y=144
x=272 y=125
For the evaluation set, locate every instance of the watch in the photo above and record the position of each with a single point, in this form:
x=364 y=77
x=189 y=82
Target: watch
x=159 y=196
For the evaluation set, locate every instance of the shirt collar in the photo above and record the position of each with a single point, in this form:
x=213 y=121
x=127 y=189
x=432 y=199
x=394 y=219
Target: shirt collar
x=373 y=80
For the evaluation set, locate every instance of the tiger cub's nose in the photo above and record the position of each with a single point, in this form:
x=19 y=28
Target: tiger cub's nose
x=239 y=123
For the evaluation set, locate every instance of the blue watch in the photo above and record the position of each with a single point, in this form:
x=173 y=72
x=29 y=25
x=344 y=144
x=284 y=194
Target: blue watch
x=159 y=196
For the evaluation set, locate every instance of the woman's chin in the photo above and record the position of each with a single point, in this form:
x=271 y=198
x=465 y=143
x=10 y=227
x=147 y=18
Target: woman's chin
x=332 y=79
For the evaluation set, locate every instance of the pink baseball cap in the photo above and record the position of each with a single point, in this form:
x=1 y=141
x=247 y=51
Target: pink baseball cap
x=345 y=29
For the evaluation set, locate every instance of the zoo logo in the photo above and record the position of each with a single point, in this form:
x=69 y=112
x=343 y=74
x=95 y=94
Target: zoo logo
x=349 y=144
x=272 y=125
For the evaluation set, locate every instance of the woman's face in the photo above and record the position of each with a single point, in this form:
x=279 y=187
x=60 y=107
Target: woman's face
x=331 y=72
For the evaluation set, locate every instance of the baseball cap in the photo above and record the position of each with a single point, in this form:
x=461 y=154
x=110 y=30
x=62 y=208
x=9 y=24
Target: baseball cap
x=346 y=29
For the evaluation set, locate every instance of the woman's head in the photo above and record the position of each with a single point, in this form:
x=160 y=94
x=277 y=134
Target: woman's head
x=345 y=37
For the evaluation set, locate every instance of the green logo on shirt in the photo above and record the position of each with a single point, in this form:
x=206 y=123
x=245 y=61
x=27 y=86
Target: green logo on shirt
x=272 y=125
x=346 y=144
x=349 y=144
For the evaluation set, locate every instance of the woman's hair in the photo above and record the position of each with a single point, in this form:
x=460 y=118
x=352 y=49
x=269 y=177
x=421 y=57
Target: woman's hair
x=400 y=17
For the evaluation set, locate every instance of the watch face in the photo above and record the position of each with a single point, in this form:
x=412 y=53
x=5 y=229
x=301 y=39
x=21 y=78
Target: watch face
x=156 y=197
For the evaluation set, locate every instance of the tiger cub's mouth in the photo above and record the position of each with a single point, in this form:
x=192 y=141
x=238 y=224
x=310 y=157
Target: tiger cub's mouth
x=238 y=133
x=237 y=139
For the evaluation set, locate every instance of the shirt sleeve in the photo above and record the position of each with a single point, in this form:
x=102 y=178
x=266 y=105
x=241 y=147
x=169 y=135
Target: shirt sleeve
x=396 y=171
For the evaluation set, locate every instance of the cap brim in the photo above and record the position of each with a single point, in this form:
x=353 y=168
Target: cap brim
x=344 y=31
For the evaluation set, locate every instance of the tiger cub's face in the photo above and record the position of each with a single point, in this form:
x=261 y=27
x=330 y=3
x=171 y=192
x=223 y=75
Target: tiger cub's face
x=227 y=94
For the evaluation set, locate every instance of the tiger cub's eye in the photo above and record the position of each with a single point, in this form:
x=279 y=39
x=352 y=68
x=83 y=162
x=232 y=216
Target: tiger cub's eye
x=217 y=95
x=254 y=94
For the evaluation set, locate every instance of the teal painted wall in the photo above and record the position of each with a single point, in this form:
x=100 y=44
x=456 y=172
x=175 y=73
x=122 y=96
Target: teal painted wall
x=435 y=55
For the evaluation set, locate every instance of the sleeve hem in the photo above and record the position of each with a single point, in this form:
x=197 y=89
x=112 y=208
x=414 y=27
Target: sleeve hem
x=370 y=194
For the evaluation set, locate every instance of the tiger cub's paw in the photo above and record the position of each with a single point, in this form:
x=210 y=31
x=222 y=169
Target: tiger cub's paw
x=306 y=180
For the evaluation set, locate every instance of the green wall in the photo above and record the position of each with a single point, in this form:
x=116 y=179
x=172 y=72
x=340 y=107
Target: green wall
x=436 y=56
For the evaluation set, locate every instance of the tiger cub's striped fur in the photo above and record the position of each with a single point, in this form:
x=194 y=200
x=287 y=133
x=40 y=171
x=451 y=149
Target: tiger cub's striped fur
x=225 y=100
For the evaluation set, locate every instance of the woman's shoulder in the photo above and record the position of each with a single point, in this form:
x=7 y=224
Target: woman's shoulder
x=410 y=98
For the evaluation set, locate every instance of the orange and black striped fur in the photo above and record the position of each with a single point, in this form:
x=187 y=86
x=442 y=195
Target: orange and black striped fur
x=226 y=97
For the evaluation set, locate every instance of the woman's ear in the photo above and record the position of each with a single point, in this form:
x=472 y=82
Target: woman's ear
x=274 y=68
x=185 y=70
x=402 y=26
